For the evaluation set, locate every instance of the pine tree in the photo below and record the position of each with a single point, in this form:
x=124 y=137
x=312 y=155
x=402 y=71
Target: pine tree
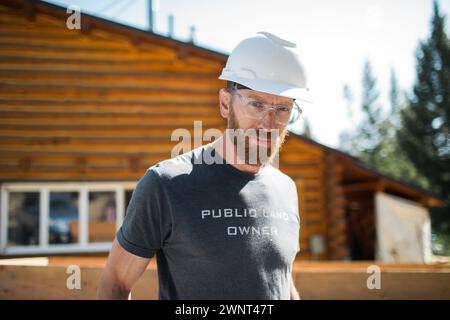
x=394 y=94
x=366 y=142
x=375 y=141
x=425 y=123
x=345 y=137
x=390 y=158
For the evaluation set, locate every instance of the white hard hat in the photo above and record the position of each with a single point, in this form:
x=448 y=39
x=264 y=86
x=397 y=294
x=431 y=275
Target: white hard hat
x=269 y=64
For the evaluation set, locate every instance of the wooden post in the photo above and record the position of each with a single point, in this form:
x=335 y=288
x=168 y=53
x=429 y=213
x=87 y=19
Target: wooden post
x=335 y=210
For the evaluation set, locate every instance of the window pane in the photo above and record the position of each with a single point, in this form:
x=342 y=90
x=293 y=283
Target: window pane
x=63 y=220
x=102 y=216
x=23 y=222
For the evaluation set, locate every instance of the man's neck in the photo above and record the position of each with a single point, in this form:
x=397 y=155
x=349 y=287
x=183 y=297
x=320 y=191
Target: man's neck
x=226 y=149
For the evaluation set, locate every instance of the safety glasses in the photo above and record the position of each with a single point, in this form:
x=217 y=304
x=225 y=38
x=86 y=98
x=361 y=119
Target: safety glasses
x=257 y=109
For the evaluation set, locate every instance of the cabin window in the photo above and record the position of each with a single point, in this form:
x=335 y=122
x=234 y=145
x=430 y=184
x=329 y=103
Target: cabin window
x=63 y=217
x=40 y=218
x=102 y=216
x=23 y=223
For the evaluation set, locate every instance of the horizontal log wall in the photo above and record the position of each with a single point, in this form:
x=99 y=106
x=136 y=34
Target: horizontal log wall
x=98 y=106
x=94 y=105
x=305 y=164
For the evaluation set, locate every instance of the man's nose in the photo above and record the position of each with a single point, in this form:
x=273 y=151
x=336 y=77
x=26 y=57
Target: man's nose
x=269 y=119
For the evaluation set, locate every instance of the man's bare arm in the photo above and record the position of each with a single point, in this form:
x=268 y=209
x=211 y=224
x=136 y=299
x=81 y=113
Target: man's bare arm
x=294 y=292
x=122 y=270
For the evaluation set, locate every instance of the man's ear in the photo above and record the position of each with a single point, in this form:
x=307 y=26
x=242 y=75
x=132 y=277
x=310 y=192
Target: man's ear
x=225 y=101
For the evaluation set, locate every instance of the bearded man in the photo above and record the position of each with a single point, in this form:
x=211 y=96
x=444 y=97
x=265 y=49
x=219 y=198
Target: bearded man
x=221 y=219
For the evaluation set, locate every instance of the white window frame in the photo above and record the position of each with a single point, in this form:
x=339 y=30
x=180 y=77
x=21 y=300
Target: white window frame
x=44 y=188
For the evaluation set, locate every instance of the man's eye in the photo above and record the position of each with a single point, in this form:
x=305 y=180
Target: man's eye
x=283 y=109
x=256 y=104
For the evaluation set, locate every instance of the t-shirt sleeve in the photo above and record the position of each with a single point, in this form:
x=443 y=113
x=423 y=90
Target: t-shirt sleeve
x=147 y=224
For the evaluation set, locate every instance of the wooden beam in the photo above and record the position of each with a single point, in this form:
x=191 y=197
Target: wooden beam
x=24 y=164
x=86 y=26
x=29 y=10
x=183 y=52
x=360 y=186
x=381 y=186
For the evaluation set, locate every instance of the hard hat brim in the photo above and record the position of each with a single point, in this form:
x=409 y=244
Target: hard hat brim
x=275 y=88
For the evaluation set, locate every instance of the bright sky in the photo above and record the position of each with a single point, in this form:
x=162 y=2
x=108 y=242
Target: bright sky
x=334 y=39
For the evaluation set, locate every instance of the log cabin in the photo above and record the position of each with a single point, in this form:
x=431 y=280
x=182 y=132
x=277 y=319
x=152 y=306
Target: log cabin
x=84 y=112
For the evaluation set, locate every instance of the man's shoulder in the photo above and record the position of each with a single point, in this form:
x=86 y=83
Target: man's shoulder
x=281 y=176
x=178 y=165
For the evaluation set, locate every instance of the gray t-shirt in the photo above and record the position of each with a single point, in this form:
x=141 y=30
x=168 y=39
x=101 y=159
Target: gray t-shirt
x=217 y=232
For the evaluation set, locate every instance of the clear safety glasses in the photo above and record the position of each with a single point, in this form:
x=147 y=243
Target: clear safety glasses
x=257 y=109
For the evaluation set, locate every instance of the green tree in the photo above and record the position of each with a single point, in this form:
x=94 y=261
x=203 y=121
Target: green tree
x=365 y=143
x=375 y=141
x=425 y=122
x=390 y=159
x=346 y=137
x=412 y=141
x=424 y=134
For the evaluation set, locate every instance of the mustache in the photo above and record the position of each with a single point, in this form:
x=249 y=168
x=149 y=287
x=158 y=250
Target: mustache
x=259 y=133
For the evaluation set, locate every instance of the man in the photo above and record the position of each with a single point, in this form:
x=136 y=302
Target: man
x=222 y=221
